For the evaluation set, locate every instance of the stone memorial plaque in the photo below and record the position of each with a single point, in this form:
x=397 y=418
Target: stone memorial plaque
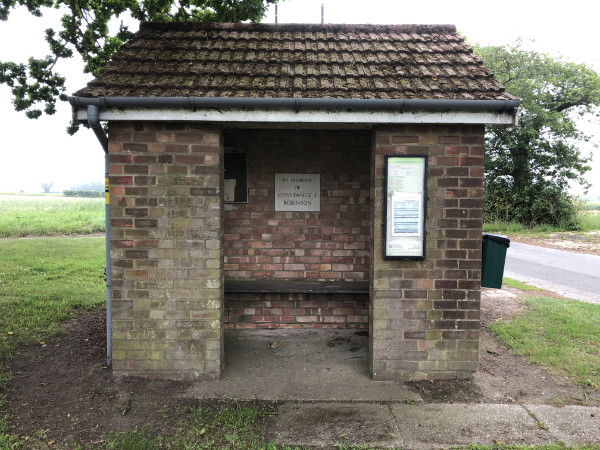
x=297 y=192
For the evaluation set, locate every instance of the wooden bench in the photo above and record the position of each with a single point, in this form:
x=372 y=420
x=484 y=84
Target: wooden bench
x=297 y=286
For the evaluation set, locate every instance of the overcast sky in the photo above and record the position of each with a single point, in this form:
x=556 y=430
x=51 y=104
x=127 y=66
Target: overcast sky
x=33 y=151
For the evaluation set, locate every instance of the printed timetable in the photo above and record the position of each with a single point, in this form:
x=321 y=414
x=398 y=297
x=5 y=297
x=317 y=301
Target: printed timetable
x=405 y=207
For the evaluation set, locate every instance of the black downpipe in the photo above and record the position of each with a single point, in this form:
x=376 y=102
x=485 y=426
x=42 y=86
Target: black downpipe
x=94 y=123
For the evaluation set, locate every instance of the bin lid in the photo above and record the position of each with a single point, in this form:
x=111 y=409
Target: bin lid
x=497 y=238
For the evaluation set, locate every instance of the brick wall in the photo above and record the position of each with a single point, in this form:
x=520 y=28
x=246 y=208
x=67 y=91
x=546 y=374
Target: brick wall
x=166 y=249
x=296 y=310
x=332 y=244
x=424 y=315
x=172 y=242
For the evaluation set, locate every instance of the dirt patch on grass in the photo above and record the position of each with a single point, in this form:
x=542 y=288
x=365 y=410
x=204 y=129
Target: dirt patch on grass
x=503 y=377
x=62 y=392
x=588 y=243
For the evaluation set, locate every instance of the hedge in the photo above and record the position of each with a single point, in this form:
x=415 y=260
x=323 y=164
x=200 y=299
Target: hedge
x=93 y=194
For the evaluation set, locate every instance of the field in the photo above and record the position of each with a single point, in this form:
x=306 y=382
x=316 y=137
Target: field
x=50 y=215
x=589 y=219
x=590 y=206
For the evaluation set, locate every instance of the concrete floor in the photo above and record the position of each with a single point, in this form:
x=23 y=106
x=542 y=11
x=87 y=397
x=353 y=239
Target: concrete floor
x=308 y=364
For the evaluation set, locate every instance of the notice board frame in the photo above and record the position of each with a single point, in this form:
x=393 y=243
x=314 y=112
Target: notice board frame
x=405 y=197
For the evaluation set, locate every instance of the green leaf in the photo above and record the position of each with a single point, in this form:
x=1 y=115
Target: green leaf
x=84 y=29
x=528 y=168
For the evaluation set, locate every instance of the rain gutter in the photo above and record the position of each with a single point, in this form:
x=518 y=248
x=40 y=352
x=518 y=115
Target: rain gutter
x=297 y=104
x=93 y=115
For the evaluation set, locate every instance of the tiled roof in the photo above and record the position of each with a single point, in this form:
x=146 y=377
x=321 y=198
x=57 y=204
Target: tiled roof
x=303 y=61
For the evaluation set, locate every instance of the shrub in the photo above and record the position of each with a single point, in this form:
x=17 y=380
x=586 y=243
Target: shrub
x=90 y=194
x=537 y=204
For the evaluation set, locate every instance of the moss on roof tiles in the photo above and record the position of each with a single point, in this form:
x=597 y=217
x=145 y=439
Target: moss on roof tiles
x=327 y=61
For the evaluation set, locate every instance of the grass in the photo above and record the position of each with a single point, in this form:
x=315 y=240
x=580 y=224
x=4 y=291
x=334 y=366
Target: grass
x=588 y=220
x=558 y=333
x=228 y=426
x=33 y=194
x=512 y=228
x=50 y=216
x=42 y=283
x=519 y=285
x=559 y=446
x=590 y=206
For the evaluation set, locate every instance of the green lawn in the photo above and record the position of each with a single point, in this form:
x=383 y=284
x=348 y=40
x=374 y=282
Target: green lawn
x=42 y=281
x=229 y=426
x=588 y=220
x=519 y=285
x=50 y=216
x=559 y=333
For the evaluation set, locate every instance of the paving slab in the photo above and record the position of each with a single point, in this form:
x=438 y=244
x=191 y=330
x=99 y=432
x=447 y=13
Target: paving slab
x=426 y=426
x=496 y=293
x=327 y=396
x=570 y=424
x=329 y=424
x=308 y=365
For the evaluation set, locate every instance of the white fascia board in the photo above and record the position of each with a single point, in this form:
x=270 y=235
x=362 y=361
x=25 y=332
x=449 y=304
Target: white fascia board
x=232 y=116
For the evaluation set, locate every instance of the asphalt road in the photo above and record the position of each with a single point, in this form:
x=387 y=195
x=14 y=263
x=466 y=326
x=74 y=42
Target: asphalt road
x=573 y=275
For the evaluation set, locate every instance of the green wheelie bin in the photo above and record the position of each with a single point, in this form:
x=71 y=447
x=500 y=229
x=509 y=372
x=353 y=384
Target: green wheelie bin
x=494 y=248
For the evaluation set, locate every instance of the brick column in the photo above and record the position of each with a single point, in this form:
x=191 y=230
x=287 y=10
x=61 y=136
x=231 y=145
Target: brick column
x=166 y=220
x=424 y=315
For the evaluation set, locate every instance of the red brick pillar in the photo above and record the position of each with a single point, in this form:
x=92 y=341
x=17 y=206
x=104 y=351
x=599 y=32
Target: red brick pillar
x=166 y=220
x=424 y=315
